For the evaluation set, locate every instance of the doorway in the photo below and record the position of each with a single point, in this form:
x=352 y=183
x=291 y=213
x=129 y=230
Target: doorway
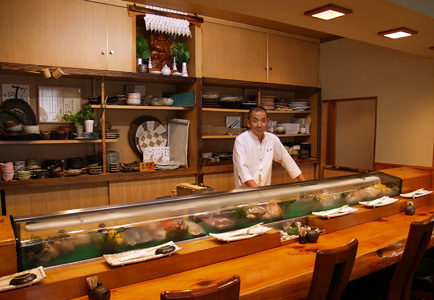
x=348 y=133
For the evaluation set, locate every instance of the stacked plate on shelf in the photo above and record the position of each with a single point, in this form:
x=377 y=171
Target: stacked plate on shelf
x=267 y=102
x=112 y=133
x=210 y=99
x=94 y=169
x=112 y=157
x=299 y=105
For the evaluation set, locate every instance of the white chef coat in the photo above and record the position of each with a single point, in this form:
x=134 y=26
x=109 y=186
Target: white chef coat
x=253 y=158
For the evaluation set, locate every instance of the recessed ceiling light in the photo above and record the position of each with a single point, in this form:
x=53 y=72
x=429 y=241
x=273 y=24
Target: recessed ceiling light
x=398 y=33
x=328 y=12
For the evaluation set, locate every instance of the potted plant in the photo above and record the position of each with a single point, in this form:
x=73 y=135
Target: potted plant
x=76 y=119
x=88 y=116
x=79 y=118
x=181 y=55
x=142 y=53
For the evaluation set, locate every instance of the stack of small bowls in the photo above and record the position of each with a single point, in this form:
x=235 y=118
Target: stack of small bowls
x=23 y=175
x=19 y=165
x=32 y=165
x=134 y=99
x=7 y=171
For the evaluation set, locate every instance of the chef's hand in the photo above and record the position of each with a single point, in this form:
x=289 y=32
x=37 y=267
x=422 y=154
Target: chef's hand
x=301 y=177
x=251 y=183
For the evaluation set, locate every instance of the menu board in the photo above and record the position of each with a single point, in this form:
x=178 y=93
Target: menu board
x=54 y=102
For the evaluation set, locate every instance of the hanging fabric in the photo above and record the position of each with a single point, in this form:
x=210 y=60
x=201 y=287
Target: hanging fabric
x=168 y=25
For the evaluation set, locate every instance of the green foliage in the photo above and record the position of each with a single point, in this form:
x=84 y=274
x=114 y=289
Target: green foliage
x=85 y=113
x=240 y=213
x=178 y=50
x=142 y=48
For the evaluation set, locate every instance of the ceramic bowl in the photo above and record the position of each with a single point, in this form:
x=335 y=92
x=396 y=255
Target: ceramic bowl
x=9 y=124
x=31 y=129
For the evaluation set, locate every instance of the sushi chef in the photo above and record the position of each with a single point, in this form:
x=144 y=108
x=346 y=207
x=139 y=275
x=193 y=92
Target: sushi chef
x=255 y=150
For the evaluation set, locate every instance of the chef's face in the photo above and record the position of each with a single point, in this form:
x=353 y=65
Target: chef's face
x=258 y=123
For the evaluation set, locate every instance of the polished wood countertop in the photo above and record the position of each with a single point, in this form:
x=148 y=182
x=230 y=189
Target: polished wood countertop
x=285 y=272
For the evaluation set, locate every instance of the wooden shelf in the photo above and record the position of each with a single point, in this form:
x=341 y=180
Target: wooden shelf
x=86 y=178
x=51 y=142
x=143 y=107
x=15 y=68
x=246 y=111
x=210 y=137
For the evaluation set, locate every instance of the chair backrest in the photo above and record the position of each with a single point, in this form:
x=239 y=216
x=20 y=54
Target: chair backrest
x=332 y=271
x=417 y=242
x=228 y=289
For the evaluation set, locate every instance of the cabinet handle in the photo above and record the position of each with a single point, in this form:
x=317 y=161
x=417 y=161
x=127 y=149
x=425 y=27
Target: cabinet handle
x=271 y=69
x=265 y=69
x=103 y=52
x=112 y=52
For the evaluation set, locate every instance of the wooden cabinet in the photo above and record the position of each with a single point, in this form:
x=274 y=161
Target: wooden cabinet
x=293 y=61
x=69 y=33
x=245 y=54
x=233 y=53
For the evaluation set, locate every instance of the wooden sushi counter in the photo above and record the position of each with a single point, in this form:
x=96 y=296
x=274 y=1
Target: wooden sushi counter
x=268 y=268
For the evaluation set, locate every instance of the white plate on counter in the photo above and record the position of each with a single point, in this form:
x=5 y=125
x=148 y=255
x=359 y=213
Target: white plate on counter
x=379 y=202
x=336 y=212
x=240 y=234
x=418 y=193
x=140 y=255
x=37 y=275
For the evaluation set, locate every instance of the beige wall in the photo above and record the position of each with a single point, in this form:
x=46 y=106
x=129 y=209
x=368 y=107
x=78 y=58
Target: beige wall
x=404 y=85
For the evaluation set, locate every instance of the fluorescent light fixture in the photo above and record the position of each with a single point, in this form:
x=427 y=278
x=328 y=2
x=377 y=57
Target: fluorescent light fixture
x=328 y=12
x=397 y=33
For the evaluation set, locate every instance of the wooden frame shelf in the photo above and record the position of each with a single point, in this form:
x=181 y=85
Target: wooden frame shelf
x=86 y=178
x=142 y=107
x=51 y=142
x=208 y=109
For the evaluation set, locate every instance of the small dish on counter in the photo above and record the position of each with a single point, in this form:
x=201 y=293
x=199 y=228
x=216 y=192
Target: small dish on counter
x=241 y=234
x=140 y=255
x=386 y=200
x=415 y=194
x=336 y=212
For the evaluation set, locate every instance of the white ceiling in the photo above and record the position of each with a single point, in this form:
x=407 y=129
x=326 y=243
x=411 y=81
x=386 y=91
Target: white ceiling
x=368 y=18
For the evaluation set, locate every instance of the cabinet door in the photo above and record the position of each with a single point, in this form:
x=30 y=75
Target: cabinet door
x=53 y=32
x=120 y=39
x=233 y=53
x=293 y=61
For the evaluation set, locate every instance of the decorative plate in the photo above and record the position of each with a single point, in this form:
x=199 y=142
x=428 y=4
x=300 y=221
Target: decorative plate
x=153 y=132
x=21 y=112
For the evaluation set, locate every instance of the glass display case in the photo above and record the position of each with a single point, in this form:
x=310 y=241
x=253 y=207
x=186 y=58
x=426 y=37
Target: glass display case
x=75 y=235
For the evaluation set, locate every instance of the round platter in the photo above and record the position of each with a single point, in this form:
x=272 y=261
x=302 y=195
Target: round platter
x=146 y=132
x=21 y=112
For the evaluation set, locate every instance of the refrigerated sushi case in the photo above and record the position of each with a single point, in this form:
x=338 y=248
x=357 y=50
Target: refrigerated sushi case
x=83 y=234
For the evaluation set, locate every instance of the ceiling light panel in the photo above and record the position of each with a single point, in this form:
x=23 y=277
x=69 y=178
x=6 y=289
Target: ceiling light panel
x=398 y=33
x=328 y=12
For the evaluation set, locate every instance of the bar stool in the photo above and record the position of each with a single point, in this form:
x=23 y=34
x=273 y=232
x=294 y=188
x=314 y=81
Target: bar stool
x=332 y=271
x=228 y=289
x=415 y=247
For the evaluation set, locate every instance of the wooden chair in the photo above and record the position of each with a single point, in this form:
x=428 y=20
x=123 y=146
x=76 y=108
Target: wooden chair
x=228 y=289
x=415 y=247
x=332 y=271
